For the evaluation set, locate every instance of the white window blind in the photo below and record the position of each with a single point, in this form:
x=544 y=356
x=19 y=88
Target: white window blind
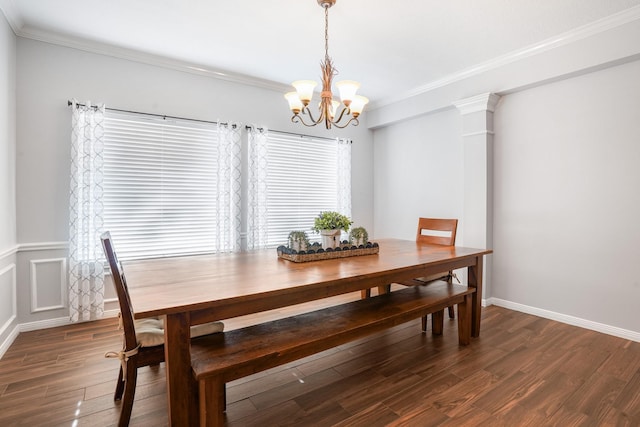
x=165 y=186
x=302 y=180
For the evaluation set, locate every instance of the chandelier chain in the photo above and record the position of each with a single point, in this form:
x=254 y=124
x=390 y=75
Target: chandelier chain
x=326 y=32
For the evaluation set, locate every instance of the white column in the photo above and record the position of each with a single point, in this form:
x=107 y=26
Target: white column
x=477 y=138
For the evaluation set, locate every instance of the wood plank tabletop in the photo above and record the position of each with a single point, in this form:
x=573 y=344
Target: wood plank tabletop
x=192 y=283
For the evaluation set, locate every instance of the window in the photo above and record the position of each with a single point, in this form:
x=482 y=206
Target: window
x=304 y=176
x=171 y=187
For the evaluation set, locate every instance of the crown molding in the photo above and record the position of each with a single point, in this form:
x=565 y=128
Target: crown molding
x=580 y=33
x=146 y=58
x=11 y=14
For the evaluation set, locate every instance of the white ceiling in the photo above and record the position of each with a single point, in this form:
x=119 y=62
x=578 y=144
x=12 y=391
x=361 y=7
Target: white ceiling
x=392 y=47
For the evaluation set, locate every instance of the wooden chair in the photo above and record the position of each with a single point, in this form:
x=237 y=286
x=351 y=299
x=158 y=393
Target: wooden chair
x=448 y=227
x=433 y=231
x=143 y=338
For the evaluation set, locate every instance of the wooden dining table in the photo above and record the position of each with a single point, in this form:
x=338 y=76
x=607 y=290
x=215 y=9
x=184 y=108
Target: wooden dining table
x=191 y=290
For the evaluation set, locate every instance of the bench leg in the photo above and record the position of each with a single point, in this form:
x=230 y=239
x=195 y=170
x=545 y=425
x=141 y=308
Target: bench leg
x=384 y=289
x=464 y=322
x=365 y=293
x=212 y=402
x=437 y=322
x=194 y=404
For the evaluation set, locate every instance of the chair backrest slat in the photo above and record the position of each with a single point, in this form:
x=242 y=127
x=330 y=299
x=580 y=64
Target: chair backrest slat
x=120 y=284
x=437 y=231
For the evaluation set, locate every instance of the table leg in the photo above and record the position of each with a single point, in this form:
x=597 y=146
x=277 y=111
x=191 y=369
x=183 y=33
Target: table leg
x=182 y=404
x=474 y=273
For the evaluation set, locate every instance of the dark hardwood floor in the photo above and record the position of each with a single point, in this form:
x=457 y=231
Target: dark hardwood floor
x=522 y=371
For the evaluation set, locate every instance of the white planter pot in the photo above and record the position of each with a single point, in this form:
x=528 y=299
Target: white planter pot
x=330 y=238
x=298 y=245
x=359 y=241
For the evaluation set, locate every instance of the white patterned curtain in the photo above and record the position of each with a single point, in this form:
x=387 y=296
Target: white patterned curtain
x=257 y=232
x=344 y=176
x=86 y=268
x=229 y=188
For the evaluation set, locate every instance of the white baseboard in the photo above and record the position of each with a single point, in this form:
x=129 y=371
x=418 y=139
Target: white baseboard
x=564 y=318
x=44 y=324
x=4 y=346
x=41 y=324
x=60 y=321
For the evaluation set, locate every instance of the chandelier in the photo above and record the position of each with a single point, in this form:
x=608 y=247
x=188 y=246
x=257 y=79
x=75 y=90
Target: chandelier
x=352 y=104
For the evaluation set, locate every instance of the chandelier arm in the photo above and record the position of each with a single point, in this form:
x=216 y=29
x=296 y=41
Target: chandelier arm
x=355 y=121
x=296 y=118
x=307 y=111
x=344 y=109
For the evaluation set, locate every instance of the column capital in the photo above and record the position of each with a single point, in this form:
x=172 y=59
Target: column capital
x=483 y=102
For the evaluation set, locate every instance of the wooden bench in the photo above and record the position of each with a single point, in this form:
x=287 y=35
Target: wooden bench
x=221 y=358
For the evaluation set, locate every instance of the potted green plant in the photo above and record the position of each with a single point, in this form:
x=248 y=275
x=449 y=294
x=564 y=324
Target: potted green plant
x=298 y=240
x=358 y=236
x=329 y=224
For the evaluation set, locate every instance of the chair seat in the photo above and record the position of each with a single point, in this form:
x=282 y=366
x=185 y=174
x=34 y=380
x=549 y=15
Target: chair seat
x=150 y=331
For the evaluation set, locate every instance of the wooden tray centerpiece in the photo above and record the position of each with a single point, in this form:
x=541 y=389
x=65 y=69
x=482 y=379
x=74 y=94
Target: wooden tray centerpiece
x=328 y=224
x=315 y=252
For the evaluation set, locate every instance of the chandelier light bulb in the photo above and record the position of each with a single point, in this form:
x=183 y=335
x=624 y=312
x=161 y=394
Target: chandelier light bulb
x=305 y=90
x=295 y=104
x=347 y=89
x=357 y=105
x=334 y=108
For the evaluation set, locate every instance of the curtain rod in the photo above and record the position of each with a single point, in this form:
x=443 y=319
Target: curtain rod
x=293 y=133
x=164 y=116
x=69 y=103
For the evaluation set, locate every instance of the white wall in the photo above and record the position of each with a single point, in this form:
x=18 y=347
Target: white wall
x=567 y=204
x=417 y=172
x=566 y=201
x=7 y=135
x=7 y=181
x=49 y=75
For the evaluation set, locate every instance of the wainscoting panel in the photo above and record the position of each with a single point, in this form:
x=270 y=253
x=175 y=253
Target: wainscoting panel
x=8 y=306
x=8 y=309
x=48 y=284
